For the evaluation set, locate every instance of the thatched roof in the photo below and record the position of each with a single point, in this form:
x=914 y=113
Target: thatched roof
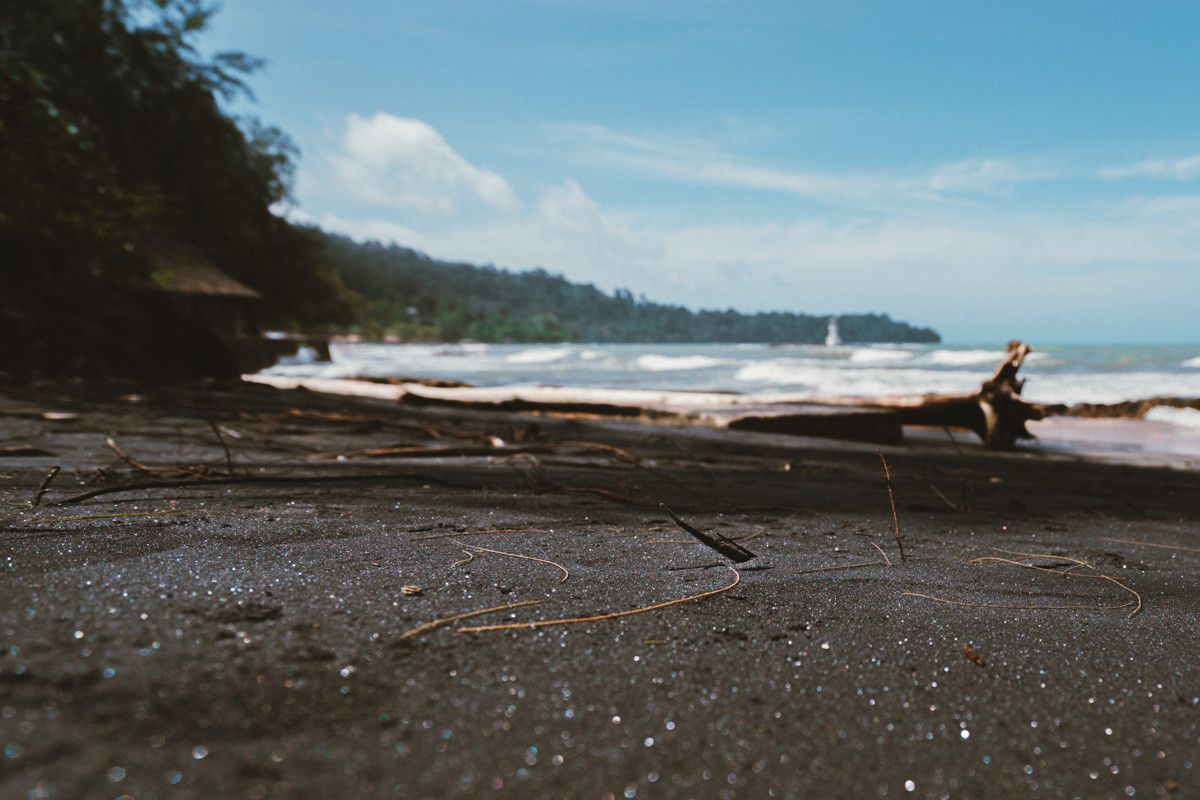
x=180 y=268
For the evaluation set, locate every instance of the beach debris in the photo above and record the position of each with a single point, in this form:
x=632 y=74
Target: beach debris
x=1151 y=544
x=478 y=533
x=124 y=456
x=24 y=451
x=970 y=653
x=437 y=623
x=565 y=572
x=722 y=544
x=217 y=430
x=887 y=474
x=1136 y=602
x=613 y=615
x=44 y=486
x=411 y=590
x=996 y=413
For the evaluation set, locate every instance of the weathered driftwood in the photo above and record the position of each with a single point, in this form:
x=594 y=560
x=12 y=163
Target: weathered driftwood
x=996 y=413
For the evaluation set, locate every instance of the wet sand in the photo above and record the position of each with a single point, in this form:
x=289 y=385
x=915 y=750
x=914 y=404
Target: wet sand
x=245 y=637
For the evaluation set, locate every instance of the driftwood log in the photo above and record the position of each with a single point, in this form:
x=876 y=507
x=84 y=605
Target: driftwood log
x=996 y=413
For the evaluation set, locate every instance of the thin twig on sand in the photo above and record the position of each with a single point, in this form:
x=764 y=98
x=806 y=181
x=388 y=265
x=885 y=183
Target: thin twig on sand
x=1152 y=544
x=44 y=486
x=437 y=623
x=1136 y=602
x=543 y=623
x=887 y=474
x=124 y=456
x=565 y=572
x=476 y=533
x=216 y=429
x=722 y=544
x=833 y=569
x=886 y=560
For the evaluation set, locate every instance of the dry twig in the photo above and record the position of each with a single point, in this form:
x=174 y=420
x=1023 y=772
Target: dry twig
x=565 y=573
x=216 y=429
x=477 y=533
x=722 y=544
x=44 y=486
x=832 y=569
x=447 y=620
x=1136 y=602
x=887 y=473
x=1152 y=544
x=543 y=623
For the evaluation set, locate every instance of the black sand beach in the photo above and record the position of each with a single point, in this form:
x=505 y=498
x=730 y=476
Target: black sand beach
x=233 y=620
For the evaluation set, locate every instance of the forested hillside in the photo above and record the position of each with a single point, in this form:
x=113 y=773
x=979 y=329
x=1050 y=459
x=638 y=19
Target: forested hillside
x=414 y=297
x=112 y=138
x=120 y=172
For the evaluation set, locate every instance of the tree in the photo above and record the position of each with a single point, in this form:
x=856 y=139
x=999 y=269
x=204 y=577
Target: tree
x=111 y=132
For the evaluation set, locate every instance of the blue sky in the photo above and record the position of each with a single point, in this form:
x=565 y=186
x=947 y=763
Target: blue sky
x=993 y=170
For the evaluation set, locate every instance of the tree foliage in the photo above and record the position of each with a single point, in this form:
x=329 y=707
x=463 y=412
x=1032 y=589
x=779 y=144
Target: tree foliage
x=111 y=132
x=414 y=297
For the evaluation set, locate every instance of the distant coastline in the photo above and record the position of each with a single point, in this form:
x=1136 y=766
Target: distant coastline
x=406 y=296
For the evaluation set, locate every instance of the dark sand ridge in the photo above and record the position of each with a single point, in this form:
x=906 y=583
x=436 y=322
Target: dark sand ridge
x=246 y=638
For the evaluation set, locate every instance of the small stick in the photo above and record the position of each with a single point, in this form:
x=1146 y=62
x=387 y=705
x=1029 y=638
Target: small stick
x=847 y=566
x=470 y=557
x=887 y=473
x=124 y=456
x=723 y=545
x=98 y=516
x=565 y=573
x=477 y=533
x=953 y=441
x=516 y=625
x=1152 y=544
x=1044 y=555
x=1036 y=608
x=446 y=620
x=886 y=560
x=255 y=479
x=739 y=539
x=44 y=486
x=225 y=447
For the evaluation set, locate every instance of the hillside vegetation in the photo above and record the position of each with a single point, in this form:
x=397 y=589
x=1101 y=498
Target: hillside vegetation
x=416 y=298
x=115 y=146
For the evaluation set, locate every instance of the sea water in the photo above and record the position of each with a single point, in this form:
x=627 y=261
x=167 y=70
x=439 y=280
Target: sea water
x=1054 y=373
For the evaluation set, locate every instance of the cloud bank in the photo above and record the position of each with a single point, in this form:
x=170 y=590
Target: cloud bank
x=982 y=248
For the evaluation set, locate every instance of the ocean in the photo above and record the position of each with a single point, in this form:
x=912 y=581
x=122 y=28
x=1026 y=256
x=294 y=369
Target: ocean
x=1067 y=374
x=1054 y=373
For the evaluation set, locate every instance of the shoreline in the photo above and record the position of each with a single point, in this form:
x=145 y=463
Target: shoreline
x=232 y=618
x=1118 y=438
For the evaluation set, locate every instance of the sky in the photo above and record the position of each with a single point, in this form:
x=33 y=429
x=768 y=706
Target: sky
x=993 y=170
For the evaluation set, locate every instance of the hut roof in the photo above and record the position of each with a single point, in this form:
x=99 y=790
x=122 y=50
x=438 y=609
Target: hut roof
x=180 y=268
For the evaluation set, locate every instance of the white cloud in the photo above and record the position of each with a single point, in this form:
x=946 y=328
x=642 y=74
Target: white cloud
x=406 y=164
x=985 y=175
x=905 y=244
x=1180 y=169
x=702 y=162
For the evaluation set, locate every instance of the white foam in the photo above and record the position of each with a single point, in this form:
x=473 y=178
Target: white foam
x=879 y=355
x=1180 y=417
x=656 y=363
x=963 y=358
x=538 y=355
x=1194 y=363
x=867 y=381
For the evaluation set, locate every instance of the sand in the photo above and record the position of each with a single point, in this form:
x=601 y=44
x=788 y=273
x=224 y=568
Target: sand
x=246 y=637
